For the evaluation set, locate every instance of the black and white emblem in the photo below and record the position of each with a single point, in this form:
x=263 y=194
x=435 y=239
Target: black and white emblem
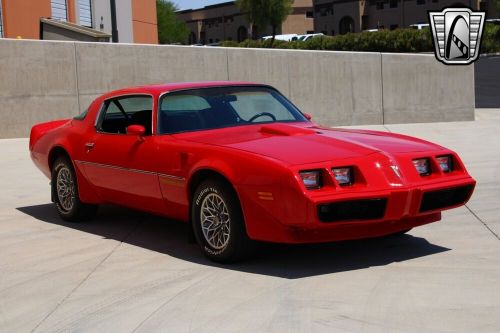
x=457 y=35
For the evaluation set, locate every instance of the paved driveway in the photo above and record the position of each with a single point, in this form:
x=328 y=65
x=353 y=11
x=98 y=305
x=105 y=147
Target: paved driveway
x=132 y=272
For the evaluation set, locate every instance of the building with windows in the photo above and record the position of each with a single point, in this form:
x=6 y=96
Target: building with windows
x=135 y=19
x=333 y=17
x=224 y=21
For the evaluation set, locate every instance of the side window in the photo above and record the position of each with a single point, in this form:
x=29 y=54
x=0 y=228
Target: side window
x=82 y=115
x=119 y=113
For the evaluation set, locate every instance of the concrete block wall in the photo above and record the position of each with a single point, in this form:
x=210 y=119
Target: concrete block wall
x=41 y=80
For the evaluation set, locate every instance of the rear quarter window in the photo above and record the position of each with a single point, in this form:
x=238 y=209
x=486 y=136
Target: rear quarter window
x=82 y=115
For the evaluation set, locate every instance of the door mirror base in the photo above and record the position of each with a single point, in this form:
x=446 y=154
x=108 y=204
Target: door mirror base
x=137 y=130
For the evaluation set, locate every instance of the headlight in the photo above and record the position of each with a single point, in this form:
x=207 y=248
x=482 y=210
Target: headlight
x=343 y=176
x=422 y=166
x=311 y=179
x=445 y=163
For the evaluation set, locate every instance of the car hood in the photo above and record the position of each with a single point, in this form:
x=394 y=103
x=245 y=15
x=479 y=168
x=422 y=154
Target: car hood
x=301 y=143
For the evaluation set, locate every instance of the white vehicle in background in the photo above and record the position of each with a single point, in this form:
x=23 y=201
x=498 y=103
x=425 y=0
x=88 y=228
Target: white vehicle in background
x=493 y=21
x=419 y=26
x=286 y=38
x=303 y=38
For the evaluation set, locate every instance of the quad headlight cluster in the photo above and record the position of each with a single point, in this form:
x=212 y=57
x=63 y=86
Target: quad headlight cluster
x=343 y=176
x=312 y=178
x=423 y=166
x=445 y=163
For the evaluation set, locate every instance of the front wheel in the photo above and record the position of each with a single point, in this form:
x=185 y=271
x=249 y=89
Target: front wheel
x=218 y=223
x=65 y=193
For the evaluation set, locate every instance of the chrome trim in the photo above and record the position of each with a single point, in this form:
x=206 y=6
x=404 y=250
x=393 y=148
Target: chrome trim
x=108 y=166
x=98 y=116
x=171 y=176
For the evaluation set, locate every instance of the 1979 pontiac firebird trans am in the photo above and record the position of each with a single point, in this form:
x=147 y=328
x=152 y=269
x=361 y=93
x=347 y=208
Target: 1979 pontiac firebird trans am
x=241 y=163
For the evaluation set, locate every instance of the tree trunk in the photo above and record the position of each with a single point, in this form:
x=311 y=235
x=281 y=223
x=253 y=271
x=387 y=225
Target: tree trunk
x=274 y=34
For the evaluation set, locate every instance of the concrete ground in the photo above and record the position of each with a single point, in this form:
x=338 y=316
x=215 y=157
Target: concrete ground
x=132 y=272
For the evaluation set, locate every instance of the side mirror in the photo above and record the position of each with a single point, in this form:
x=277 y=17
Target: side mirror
x=307 y=115
x=137 y=130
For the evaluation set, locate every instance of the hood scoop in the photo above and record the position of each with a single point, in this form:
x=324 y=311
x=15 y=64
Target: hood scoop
x=285 y=130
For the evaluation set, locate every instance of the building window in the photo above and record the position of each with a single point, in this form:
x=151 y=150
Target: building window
x=85 y=12
x=323 y=10
x=420 y=2
x=380 y=5
x=393 y=3
x=59 y=9
x=1 y=20
x=346 y=25
x=242 y=34
x=192 y=38
x=364 y=22
x=309 y=14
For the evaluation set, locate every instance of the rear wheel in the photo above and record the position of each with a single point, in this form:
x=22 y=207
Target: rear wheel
x=65 y=193
x=218 y=223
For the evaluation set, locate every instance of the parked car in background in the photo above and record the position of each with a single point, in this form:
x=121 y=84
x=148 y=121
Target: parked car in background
x=286 y=38
x=493 y=21
x=303 y=38
x=240 y=163
x=419 y=26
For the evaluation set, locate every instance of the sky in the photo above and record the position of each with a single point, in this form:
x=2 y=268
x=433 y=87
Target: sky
x=191 y=4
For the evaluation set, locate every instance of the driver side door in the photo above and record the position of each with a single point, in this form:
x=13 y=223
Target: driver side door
x=119 y=165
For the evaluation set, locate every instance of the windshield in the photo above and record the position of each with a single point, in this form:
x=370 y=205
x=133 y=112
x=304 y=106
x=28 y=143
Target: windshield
x=210 y=108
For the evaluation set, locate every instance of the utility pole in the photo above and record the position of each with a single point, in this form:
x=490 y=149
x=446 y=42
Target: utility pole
x=114 y=29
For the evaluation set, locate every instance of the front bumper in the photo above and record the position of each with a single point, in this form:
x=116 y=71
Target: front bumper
x=364 y=214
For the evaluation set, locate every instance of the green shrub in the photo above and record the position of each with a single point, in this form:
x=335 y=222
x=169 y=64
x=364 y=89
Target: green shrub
x=491 y=39
x=399 y=40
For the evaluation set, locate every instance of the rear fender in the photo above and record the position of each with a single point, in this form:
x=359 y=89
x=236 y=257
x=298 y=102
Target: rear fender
x=39 y=130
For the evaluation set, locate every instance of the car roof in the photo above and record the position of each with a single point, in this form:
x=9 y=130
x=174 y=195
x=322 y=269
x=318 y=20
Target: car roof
x=156 y=89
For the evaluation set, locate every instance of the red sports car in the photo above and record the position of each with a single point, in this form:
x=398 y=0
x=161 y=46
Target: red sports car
x=241 y=163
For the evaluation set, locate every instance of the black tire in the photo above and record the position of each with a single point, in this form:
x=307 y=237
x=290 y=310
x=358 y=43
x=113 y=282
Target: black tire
x=69 y=207
x=229 y=221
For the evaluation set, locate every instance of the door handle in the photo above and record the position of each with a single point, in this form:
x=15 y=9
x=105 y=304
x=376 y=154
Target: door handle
x=89 y=146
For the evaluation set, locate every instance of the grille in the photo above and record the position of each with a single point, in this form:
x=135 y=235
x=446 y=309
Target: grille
x=445 y=198
x=366 y=209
